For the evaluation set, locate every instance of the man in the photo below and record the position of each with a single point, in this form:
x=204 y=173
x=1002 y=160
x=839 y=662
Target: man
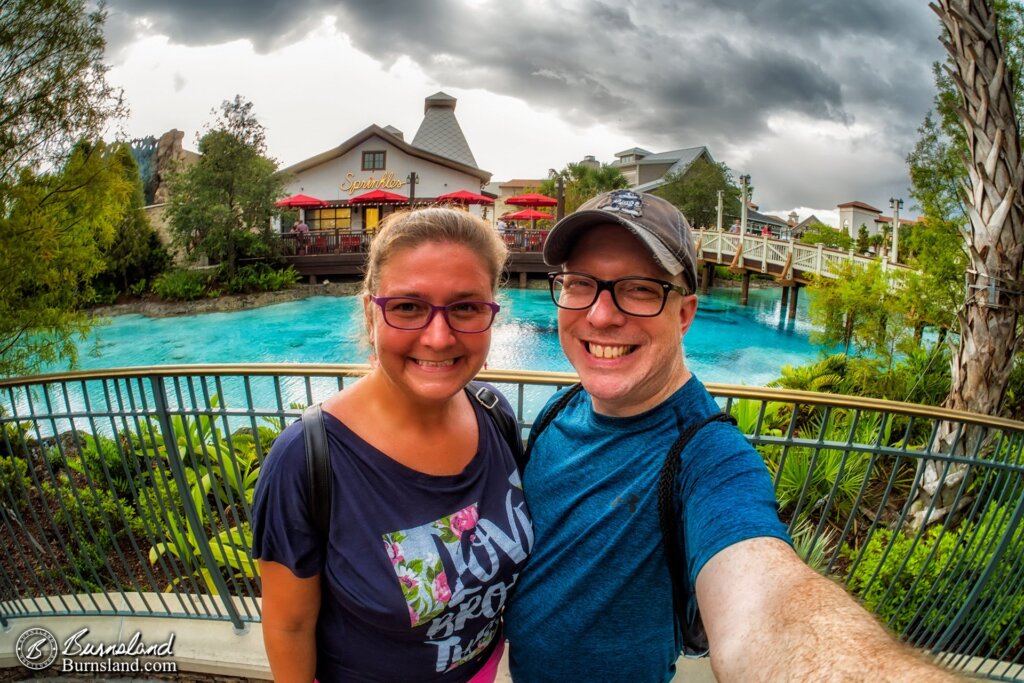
x=301 y=231
x=595 y=602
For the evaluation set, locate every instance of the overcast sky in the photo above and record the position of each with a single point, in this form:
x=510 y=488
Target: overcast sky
x=818 y=100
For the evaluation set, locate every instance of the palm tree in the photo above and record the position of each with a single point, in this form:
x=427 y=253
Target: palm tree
x=995 y=244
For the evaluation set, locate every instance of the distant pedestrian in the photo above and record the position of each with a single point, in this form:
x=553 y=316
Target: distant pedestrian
x=301 y=231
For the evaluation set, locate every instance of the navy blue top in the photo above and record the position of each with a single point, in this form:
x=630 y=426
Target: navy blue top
x=595 y=600
x=417 y=568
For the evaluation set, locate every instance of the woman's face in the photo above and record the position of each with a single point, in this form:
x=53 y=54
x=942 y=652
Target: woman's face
x=433 y=363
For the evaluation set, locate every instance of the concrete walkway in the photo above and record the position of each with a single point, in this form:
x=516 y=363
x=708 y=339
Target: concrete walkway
x=208 y=648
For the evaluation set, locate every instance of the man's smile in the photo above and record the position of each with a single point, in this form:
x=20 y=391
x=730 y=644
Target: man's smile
x=608 y=350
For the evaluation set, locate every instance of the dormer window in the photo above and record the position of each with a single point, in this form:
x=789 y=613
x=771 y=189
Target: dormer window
x=374 y=161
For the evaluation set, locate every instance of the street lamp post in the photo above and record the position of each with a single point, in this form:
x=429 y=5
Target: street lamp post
x=895 y=205
x=721 y=208
x=744 y=184
x=414 y=180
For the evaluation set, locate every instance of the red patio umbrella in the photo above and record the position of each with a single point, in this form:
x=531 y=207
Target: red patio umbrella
x=528 y=215
x=465 y=197
x=297 y=201
x=532 y=199
x=378 y=197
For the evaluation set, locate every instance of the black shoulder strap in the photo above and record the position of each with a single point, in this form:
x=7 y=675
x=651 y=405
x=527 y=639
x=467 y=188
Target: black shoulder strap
x=547 y=418
x=507 y=424
x=318 y=467
x=695 y=640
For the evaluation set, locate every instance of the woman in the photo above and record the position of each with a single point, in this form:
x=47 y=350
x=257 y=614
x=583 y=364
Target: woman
x=428 y=525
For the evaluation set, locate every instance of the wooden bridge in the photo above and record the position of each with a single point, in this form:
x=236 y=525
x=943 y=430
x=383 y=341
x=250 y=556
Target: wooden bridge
x=791 y=263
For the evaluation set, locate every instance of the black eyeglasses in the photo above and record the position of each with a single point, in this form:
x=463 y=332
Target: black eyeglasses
x=643 y=297
x=410 y=313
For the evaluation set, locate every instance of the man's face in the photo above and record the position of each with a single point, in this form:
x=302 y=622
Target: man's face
x=627 y=364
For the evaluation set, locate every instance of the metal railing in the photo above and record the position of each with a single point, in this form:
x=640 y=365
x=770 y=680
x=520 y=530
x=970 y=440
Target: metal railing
x=129 y=491
x=345 y=241
x=797 y=258
x=316 y=242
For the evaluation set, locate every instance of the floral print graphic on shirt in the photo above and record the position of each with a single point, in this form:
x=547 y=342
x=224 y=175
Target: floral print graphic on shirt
x=418 y=566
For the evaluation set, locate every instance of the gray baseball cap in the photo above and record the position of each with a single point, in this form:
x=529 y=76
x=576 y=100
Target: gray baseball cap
x=659 y=225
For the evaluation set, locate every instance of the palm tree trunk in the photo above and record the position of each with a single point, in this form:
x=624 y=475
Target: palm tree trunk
x=995 y=240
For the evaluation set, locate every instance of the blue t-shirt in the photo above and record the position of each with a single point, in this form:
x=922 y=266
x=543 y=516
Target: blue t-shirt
x=595 y=600
x=418 y=567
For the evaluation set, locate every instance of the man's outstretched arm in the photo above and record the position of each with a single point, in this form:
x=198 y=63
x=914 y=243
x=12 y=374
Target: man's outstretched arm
x=769 y=617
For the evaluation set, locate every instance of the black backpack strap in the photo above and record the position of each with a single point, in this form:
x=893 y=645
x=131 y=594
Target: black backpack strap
x=695 y=640
x=318 y=467
x=547 y=418
x=507 y=424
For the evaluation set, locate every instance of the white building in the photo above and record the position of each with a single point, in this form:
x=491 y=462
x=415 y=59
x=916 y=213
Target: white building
x=378 y=159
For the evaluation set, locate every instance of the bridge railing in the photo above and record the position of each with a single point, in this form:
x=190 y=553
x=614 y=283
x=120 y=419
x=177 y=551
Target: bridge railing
x=129 y=492
x=803 y=258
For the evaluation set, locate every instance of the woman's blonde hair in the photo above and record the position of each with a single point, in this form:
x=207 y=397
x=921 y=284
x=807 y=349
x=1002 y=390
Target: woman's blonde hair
x=409 y=229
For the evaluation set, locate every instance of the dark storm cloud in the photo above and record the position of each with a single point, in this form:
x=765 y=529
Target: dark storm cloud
x=672 y=73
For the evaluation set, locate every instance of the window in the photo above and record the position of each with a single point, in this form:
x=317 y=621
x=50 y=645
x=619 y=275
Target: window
x=329 y=219
x=374 y=161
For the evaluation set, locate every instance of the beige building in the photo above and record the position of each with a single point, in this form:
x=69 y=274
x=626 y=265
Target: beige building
x=647 y=171
x=852 y=215
x=510 y=188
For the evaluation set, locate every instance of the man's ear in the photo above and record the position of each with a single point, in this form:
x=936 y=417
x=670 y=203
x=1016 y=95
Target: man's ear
x=687 y=312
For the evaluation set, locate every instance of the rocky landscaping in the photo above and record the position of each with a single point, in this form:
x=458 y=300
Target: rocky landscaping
x=155 y=307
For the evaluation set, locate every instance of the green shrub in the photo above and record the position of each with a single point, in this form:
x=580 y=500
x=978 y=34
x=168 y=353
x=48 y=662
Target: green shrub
x=182 y=285
x=261 y=277
x=92 y=522
x=101 y=460
x=139 y=288
x=924 y=584
x=14 y=482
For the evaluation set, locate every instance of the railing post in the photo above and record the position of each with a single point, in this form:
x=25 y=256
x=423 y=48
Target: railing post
x=177 y=468
x=817 y=260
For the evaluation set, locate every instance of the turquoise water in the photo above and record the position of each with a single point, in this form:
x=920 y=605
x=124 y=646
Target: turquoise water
x=727 y=342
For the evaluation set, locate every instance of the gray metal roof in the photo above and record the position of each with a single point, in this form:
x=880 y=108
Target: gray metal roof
x=634 y=150
x=684 y=158
x=440 y=132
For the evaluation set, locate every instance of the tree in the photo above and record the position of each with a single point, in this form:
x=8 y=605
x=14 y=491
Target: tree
x=863 y=239
x=984 y=77
x=53 y=234
x=135 y=253
x=857 y=310
x=57 y=202
x=933 y=291
x=581 y=182
x=221 y=206
x=695 y=193
x=819 y=233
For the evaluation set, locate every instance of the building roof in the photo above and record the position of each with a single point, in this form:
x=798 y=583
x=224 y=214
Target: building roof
x=635 y=150
x=766 y=219
x=375 y=130
x=440 y=132
x=681 y=160
x=808 y=222
x=522 y=182
x=859 y=205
